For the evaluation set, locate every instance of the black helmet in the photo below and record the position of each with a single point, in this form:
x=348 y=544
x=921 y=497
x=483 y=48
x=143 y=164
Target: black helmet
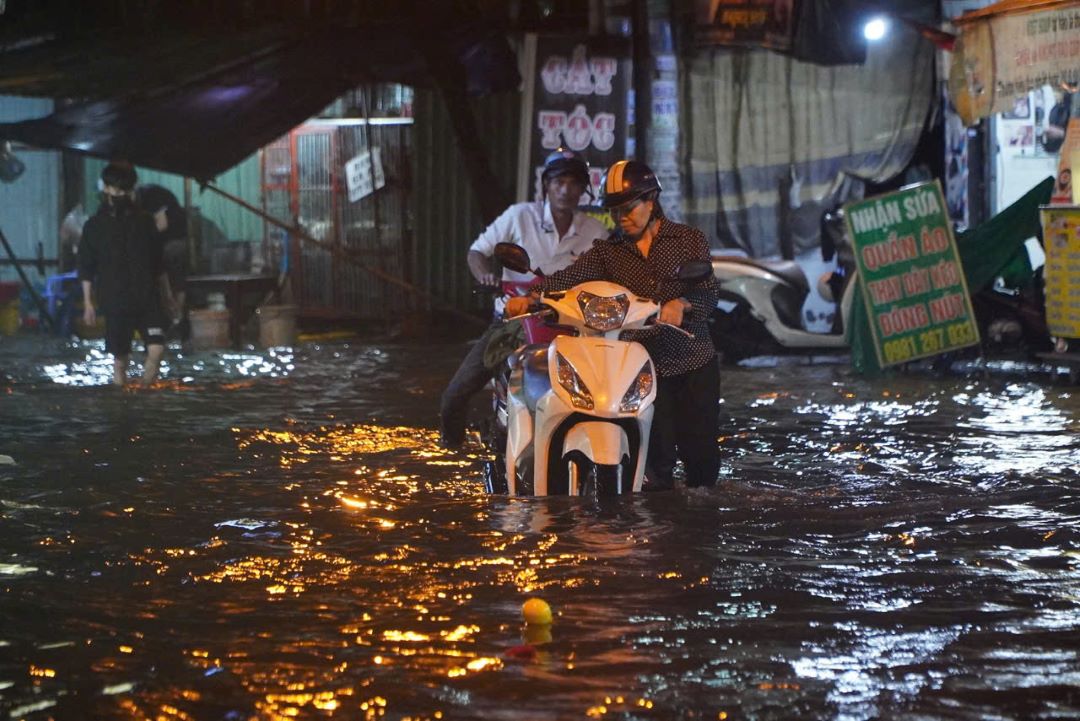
x=625 y=181
x=563 y=161
x=119 y=175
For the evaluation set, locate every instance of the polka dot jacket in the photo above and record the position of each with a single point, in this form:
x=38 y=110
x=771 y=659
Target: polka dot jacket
x=619 y=261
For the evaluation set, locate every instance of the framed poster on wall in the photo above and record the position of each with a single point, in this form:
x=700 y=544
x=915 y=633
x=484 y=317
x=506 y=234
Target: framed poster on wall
x=575 y=96
x=764 y=23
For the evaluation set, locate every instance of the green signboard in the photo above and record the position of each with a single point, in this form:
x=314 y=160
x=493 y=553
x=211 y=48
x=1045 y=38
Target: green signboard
x=912 y=281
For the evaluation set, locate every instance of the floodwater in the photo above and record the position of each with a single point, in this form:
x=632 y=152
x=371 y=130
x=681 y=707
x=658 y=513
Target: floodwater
x=275 y=535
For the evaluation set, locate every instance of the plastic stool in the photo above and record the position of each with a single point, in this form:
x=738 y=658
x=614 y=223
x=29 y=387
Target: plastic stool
x=57 y=298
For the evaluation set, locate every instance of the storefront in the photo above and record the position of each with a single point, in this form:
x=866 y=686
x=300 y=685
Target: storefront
x=1012 y=89
x=1013 y=77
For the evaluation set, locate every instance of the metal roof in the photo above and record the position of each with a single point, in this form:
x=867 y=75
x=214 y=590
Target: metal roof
x=196 y=92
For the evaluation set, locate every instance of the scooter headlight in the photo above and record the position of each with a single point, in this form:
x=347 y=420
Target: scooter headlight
x=571 y=382
x=602 y=312
x=638 y=391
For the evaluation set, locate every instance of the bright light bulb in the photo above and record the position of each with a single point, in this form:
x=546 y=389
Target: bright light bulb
x=875 y=29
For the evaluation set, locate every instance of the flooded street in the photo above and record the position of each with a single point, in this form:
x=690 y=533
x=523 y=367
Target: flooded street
x=276 y=535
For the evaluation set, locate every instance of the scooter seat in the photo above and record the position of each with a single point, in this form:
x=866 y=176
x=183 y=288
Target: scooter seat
x=788 y=270
x=535 y=379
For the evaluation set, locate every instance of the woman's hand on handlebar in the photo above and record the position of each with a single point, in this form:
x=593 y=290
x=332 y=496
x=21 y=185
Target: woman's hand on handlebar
x=518 y=305
x=673 y=311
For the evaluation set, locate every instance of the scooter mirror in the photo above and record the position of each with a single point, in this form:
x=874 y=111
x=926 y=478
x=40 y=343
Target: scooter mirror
x=693 y=271
x=513 y=256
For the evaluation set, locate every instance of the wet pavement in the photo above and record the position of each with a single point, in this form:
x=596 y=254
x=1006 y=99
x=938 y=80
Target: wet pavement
x=276 y=535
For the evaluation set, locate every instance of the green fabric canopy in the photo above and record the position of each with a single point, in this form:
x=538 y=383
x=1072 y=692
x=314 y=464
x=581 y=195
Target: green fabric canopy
x=994 y=248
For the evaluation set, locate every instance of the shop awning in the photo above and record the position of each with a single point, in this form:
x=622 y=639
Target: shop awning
x=1009 y=48
x=198 y=104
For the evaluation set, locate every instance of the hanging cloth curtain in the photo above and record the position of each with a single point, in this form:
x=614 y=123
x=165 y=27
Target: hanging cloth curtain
x=759 y=124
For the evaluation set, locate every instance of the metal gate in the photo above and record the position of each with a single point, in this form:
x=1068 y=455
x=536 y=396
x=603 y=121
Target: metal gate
x=304 y=183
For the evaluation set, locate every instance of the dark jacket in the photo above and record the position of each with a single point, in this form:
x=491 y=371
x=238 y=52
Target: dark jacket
x=121 y=255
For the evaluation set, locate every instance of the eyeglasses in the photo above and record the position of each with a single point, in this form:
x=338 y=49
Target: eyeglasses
x=626 y=208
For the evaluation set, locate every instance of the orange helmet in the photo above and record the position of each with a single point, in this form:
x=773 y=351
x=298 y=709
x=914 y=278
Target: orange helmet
x=625 y=181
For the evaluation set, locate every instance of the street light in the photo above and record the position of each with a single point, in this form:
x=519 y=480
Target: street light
x=875 y=29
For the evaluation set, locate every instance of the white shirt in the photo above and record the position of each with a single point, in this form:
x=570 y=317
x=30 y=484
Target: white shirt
x=523 y=224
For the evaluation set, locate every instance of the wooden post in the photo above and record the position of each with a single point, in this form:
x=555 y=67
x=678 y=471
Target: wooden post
x=192 y=247
x=449 y=77
x=642 y=75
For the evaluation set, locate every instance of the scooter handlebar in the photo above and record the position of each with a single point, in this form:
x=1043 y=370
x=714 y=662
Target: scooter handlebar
x=685 y=332
x=535 y=309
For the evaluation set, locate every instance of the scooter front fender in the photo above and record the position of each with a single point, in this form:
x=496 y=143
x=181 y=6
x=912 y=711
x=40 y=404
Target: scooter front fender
x=602 y=442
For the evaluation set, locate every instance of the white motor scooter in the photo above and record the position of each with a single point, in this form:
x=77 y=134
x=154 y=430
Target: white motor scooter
x=760 y=310
x=579 y=408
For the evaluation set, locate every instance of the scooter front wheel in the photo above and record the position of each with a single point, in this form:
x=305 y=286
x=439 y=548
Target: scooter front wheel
x=594 y=479
x=607 y=480
x=495 y=476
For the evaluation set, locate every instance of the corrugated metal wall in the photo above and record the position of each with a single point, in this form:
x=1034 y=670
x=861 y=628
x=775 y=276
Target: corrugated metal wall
x=30 y=205
x=446 y=211
x=377 y=229
x=360 y=242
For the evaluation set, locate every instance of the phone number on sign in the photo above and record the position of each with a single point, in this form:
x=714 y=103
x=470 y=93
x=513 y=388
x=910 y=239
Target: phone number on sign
x=929 y=342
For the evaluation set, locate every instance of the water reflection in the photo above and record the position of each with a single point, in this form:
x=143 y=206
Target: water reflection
x=277 y=535
x=87 y=364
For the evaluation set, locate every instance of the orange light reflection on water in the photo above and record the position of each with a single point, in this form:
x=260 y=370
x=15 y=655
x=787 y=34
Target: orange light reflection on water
x=418 y=612
x=343 y=442
x=445 y=642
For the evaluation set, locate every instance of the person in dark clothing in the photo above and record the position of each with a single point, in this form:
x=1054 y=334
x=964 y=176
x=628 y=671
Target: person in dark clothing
x=170 y=220
x=120 y=259
x=643 y=256
x=1057 y=121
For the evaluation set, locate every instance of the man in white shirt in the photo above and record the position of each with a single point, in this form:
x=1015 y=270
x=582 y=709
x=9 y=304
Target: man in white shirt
x=555 y=233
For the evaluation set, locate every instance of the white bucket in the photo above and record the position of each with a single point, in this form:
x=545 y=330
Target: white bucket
x=277 y=325
x=209 y=328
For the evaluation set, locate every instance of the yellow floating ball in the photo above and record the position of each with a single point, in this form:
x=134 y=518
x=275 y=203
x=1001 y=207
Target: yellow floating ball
x=536 y=611
x=537 y=635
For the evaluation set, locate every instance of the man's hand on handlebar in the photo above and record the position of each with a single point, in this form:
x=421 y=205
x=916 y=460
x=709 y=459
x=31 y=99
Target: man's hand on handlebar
x=481 y=268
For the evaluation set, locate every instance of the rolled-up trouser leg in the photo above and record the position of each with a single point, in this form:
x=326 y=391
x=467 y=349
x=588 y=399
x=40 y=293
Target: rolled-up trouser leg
x=471 y=376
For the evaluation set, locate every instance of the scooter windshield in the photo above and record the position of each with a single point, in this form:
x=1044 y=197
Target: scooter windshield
x=603 y=313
